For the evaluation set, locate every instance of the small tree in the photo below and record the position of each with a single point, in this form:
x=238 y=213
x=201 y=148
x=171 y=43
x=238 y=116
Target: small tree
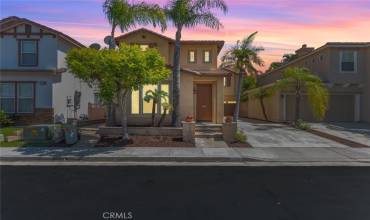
x=301 y=79
x=167 y=107
x=154 y=96
x=261 y=94
x=119 y=72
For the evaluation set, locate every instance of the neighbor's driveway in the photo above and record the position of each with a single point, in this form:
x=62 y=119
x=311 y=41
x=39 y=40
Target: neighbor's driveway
x=265 y=134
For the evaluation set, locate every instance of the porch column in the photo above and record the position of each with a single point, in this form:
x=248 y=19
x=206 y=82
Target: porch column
x=357 y=116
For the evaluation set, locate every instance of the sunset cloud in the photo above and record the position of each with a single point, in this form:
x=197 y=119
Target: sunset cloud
x=282 y=25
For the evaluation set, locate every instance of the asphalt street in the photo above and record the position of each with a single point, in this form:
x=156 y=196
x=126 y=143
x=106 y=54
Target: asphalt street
x=196 y=192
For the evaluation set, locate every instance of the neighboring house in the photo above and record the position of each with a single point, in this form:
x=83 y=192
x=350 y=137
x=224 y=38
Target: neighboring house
x=345 y=70
x=34 y=82
x=202 y=82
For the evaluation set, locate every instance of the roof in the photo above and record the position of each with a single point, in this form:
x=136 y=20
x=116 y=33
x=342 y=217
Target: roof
x=327 y=45
x=219 y=43
x=13 y=21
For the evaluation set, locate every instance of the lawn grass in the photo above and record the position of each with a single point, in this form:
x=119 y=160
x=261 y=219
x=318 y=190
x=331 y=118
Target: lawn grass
x=24 y=144
x=9 y=131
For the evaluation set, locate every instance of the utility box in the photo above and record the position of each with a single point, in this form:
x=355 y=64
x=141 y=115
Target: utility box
x=43 y=132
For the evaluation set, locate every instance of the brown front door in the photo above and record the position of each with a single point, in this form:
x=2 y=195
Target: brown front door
x=204 y=102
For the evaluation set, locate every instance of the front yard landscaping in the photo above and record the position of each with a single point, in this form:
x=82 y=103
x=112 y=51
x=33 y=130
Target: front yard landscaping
x=143 y=141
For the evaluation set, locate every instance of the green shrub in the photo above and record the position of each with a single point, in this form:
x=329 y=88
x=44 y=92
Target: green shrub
x=302 y=125
x=240 y=136
x=5 y=120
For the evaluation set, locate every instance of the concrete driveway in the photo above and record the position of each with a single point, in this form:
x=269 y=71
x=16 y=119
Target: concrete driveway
x=266 y=134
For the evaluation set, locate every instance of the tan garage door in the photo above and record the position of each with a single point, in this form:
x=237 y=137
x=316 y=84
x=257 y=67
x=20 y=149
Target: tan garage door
x=341 y=108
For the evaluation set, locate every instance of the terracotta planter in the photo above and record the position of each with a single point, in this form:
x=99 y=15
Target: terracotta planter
x=189 y=119
x=228 y=119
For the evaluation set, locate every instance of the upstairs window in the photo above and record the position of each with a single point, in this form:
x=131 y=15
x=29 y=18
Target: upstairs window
x=348 y=61
x=207 y=56
x=28 y=52
x=191 y=56
x=144 y=47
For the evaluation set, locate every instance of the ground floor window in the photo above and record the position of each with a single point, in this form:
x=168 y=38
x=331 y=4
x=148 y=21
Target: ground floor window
x=139 y=106
x=17 y=97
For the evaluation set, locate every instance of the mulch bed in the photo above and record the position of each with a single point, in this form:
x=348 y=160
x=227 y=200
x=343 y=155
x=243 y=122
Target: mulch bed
x=143 y=141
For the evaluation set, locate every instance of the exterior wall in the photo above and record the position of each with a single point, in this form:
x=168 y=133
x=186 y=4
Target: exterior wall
x=9 y=51
x=365 y=98
x=66 y=85
x=144 y=37
x=199 y=65
x=272 y=105
x=326 y=64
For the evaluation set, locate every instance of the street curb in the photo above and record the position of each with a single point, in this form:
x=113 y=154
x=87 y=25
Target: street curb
x=132 y=159
x=335 y=138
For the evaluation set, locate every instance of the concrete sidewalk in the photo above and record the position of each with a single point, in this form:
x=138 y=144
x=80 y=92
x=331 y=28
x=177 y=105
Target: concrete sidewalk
x=147 y=154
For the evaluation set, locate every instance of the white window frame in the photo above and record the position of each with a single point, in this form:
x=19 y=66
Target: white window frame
x=14 y=96
x=204 y=57
x=32 y=97
x=22 y=52
x=354 y=60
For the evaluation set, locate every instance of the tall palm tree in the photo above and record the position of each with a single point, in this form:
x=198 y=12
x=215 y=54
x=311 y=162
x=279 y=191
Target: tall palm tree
x=242 y=57
x=125 y=15
x=188 y=14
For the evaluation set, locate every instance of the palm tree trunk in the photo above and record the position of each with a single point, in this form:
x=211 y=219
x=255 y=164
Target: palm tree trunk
x=297 y=101
x=163 y=116
x=238 y=91
x=123 y=107
x=176 y=80
x=153 y=112
x=110 y=108
x=263 y=108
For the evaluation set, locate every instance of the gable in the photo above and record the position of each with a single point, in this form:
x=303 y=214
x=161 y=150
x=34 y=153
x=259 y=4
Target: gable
x=18 y=27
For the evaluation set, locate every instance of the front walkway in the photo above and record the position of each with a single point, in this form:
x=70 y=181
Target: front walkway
x=355 y=132
x=266 y=134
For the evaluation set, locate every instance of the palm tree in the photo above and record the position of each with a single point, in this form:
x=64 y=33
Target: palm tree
x=261 y=94
x=242 y=57
x=167 y=107
x=154 y=96
x=188 y=14
x=301 y=79
x=126 y=15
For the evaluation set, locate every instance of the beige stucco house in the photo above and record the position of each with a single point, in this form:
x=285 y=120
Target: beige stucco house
x=345 y=70
x=202 y=82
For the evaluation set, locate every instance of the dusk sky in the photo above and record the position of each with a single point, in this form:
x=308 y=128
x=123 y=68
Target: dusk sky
x=283 y=25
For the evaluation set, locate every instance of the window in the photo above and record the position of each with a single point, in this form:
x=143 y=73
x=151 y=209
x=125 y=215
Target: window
x=348 y=61
x=17 y=97
x=25 y=97
x=7 y=97
x=135 y=102
x=191 y=56
x=139 y=106
x=28 y=52
x=144 y=47
x=164 y=88
x=321 y=58
x=147 y=106
x=227 y=81
x=207 y=56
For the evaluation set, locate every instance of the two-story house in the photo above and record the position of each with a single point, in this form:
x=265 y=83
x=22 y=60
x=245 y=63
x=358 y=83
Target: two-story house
x=35 y=85
x=345 y=70
x=202 y=82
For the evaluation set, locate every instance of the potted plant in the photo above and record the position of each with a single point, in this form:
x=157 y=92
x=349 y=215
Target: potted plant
x=189 y=118
x=229 y=119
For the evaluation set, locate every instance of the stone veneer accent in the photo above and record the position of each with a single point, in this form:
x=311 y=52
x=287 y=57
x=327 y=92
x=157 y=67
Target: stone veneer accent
x=40 y=116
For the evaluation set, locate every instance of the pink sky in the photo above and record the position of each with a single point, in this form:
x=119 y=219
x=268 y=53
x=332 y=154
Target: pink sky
x=283 y=25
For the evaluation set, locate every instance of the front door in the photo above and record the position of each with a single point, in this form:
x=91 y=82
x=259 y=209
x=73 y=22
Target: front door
x=204 y=102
